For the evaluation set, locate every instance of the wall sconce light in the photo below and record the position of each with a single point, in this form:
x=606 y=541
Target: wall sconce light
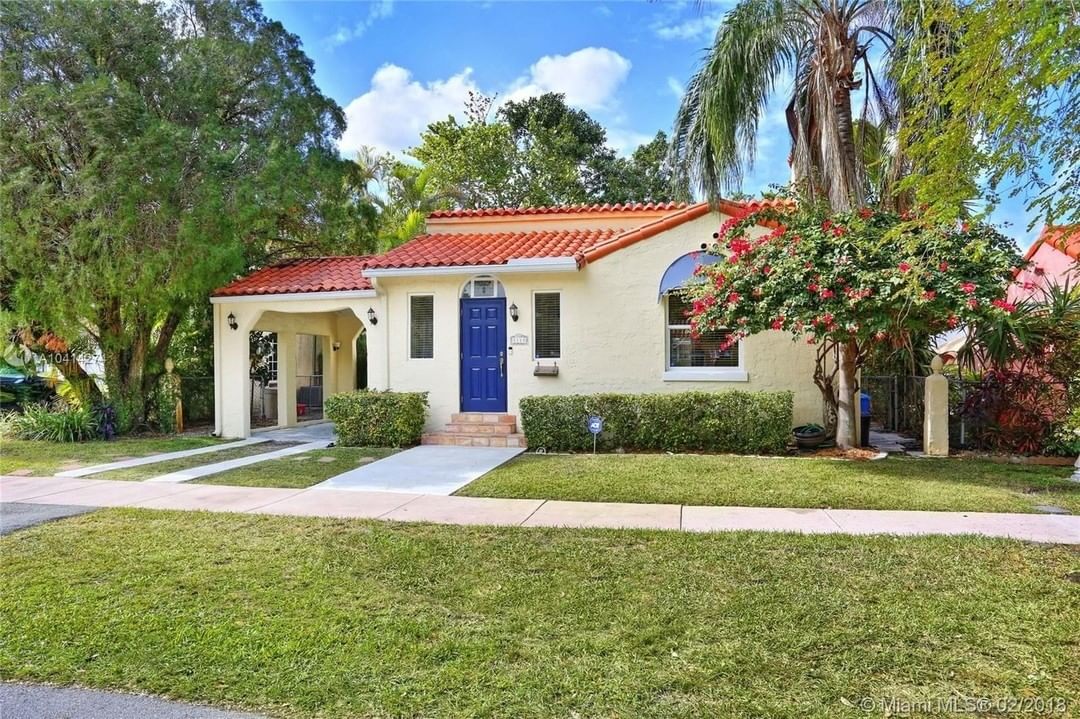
x=514 y=312
x=371 y=318
x=335 y=346
x=232 y=321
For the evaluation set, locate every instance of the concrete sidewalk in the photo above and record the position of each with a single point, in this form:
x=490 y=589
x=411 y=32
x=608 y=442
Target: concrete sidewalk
x=407 y=507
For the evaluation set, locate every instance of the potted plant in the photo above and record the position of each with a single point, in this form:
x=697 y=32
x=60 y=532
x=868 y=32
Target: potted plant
x=809 y=436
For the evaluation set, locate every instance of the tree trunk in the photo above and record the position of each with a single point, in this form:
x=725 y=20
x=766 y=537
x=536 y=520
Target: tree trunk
x=847 y=190
x=845 y=413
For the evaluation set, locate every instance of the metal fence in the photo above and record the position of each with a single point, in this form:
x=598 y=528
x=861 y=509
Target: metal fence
x=897 y=406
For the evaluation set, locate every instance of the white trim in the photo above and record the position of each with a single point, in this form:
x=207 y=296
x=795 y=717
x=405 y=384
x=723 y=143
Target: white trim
x=408 y=302
x=705 y=374
x=534 y=264
x=535 y=343
x=293 y=296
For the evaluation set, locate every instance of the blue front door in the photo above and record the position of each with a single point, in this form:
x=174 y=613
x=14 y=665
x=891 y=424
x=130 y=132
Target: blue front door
x=483 y=355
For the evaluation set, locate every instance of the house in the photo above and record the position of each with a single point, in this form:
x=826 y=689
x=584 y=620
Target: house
x=1054 y=258
x=498 y=304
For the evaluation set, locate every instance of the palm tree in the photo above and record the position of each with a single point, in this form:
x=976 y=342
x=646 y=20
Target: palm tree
x=827 y=47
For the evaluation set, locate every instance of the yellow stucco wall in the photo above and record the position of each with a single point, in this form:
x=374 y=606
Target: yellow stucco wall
x=613 y=333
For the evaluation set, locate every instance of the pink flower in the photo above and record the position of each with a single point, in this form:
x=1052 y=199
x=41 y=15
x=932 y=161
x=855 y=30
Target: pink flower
x=905 y=267
x=778 y=323
x=766 y=270
x=826 y=293
x=929 y=295
x=812 y=287
x=953 y=321
x=943 y=267
x=968 y=288
x=972 y=303
x=733 y=298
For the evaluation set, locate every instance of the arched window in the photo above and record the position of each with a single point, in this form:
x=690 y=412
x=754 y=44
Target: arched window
x=482 y=286
x=688 y=357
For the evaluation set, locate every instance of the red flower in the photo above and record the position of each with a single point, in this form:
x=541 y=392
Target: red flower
x=904 y=267
x=968 y=288
x=929 y=295
x=778 y=323
x=964 y=227
x=827 y=293
x=1008 y=307
x=972 y=303
x=953 y=321
x=766 y=270
x=866 y=213
x=733 y=298
x=943 y=267
x=812 y=287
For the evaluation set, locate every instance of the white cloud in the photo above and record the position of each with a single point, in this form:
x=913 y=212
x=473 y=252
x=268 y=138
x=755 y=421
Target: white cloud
x=624 y=141
x=378 y=10
x=391 y=115
x=688 y=21
x=588 y=77
x=675 y=87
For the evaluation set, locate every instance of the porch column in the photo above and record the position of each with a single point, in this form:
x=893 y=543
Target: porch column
x=286 y=378
x=232 y=385
x=346 y=332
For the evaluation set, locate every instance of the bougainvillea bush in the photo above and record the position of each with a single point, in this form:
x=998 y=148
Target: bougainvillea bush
x=849 y=281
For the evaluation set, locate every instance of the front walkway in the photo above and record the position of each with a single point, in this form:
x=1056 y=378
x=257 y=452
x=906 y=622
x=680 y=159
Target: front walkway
x=407 y=507
x=428 y=469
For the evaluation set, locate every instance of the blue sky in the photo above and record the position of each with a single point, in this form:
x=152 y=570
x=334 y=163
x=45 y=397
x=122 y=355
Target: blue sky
x=396 y=66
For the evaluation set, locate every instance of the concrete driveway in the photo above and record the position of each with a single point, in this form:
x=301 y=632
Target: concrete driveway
x=428 y=469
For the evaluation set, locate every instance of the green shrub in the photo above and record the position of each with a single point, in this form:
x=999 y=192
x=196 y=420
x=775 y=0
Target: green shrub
x=58 y=422
x=378 y=419
x=730 y=421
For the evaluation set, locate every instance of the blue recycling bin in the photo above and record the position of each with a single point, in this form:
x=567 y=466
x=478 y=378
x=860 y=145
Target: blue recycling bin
x=864 y=409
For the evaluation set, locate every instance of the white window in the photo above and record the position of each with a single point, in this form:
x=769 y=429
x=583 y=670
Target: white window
x=421 y=326
x=700 y=358
x=547 y=325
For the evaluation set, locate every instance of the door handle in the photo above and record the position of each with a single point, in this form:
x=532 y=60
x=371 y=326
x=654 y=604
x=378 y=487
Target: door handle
x=502 y=364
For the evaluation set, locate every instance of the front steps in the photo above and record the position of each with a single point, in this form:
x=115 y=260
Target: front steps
x=478 y=429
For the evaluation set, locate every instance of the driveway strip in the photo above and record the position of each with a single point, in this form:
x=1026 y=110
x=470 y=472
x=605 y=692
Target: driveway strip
x=155 y=458
x=412 y=507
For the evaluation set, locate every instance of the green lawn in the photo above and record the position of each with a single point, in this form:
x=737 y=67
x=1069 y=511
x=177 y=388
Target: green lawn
x=894 y=483
x=336 y=618
x=146 y=471
x=47 y=458
x=302 y=470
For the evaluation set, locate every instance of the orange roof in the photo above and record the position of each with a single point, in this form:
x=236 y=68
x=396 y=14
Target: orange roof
x=630 y=207
x=310 y=274
x=1065 y=238
x=449 y=249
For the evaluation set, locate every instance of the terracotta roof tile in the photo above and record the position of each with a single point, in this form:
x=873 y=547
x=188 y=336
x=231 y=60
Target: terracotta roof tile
x=630 y=207
x=489 y=248
x=1065 y=238
x=310 y=274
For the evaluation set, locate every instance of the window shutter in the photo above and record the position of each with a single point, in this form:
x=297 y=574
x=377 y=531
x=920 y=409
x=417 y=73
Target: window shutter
x=547 y=321
x=421 y=327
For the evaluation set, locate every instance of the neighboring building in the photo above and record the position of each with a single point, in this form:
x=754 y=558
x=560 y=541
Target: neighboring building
x=494 y=305
x=1054 y=258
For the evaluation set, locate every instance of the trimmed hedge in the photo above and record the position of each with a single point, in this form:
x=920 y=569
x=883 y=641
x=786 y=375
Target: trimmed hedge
x=378 y=419
x=731 y=421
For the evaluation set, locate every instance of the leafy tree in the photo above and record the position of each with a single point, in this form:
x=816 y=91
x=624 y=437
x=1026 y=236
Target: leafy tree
x=827 y=46
x=148 y=153
x=538 y=151
x=1008 y=75
x=849 y=282
x=645 y=176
